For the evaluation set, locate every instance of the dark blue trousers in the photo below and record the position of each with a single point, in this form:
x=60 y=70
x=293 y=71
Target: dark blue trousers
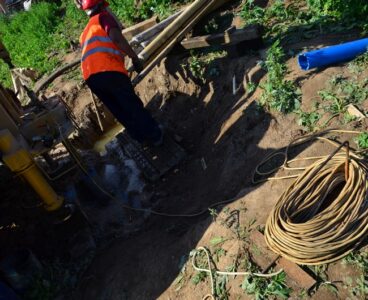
x=115 y=90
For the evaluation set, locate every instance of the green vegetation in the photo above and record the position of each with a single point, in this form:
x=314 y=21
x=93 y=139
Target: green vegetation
x=356 y=258
x=359 y=259
x=341 y=92
x=39 y=39
x=197 y=67
x=263 y=288
x=355 y=10
x=30 y=38
x=308 y=120
x=359 y=64
x=199 y=277
x=128 y=11
x=278 y=93
x=307 y=18
x=201 y=64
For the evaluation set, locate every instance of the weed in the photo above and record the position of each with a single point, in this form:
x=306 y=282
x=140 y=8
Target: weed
x=349 y=118
x=361 y=288
x=338 y=8
x=337 y=105
x=251 y=87
x=226 y=211
x=251 y=13
x=303 y=294
x=218 y=253
x=331 y=287
x=199 y=64
x=341 y=92
x=278 y=93
x=197 y=67
x=362 y=142
x=320 y=271
x=212 y=26
x=308 y=120
x=243 y=232
x=222 y=293
x=359 y=64
x=359 y=259
x=130 y=13
x=263 y=288
x=305 y=21
x=202 y=263
x=199 y=277
x=217 y=241
x=213 y=214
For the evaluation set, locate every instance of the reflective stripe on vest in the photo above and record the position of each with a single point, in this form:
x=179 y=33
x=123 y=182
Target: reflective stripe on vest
x=99 y=52
x=100 y=49
x=102 y=39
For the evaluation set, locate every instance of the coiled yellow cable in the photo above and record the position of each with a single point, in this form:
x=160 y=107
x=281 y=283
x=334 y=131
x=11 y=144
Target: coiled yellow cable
x=323 y=215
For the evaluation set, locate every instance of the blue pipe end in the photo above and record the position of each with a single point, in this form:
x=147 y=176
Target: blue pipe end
x=303 y=62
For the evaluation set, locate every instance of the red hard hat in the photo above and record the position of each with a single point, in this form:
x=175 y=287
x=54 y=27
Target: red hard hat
x=88 y=4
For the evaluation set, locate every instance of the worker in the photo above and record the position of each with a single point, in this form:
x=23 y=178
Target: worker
x=103 y=51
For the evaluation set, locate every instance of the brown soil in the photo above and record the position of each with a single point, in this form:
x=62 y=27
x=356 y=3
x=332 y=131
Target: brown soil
x=232 y=135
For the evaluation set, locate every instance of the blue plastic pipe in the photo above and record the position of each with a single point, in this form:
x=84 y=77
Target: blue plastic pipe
x=332 y=55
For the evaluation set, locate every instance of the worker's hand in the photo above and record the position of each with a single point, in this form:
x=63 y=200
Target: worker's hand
x=137 y=64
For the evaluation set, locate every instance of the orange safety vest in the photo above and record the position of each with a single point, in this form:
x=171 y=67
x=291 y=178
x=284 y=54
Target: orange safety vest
x=99 y=53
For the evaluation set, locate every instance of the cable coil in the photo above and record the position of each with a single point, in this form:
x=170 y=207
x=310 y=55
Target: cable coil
x=323 y=215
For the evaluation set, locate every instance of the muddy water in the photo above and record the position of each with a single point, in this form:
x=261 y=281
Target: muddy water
x=108 y=136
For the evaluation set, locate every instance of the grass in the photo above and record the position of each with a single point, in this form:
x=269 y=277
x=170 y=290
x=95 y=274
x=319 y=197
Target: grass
x=39 y=39
x=29 y=38
x=278 y=93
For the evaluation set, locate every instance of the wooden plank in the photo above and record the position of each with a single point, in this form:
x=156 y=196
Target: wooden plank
x=150 y=33
x=265 y=258
x=296 y=273
x=164 y=49
x=261 y=255
x=353 y=110
x=237 y=36
x=138 y=28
